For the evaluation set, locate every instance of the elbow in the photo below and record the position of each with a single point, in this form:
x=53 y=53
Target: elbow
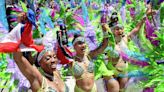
x=135 y=31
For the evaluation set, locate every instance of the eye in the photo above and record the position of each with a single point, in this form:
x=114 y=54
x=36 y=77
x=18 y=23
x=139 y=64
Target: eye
x=54 y=56
x=80 y=42
x=47 y=58
x=117 y=29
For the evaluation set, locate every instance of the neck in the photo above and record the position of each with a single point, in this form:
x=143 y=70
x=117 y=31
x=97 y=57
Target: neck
x=49 y=76
x=118 y=39
x=80 y=55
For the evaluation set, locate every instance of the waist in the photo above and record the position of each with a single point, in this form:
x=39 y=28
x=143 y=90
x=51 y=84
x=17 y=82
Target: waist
x=84 y=76
x=86 y=86
x=120 y=65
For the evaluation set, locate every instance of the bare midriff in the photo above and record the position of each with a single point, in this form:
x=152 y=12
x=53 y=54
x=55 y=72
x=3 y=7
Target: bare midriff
x=86 y=81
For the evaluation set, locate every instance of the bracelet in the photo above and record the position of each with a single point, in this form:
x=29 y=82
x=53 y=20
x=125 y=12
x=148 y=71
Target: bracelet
x=105 y=34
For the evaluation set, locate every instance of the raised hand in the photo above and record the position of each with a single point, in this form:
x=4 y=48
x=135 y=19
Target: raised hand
x=105 y=27
x=150 y=11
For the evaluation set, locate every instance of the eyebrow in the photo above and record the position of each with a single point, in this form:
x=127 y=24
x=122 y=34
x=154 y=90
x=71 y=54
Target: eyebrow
x=80 y=42
x=118 y=28
x=51 y=55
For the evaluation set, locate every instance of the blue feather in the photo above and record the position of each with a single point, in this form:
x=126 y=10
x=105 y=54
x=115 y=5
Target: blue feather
x=89 y=2
x=57 y=1
x=123 y=2
x=49 y=22
x=138 y=43
x=113 y=1
x=136 y=55
x=84 y=11
x=135 y=73
x=3 y=14
x=31 y=4
x=73 y=32
x=31 y=16
x=45 y=19
x=42 y=27
x=42 y=21
x=72 y=2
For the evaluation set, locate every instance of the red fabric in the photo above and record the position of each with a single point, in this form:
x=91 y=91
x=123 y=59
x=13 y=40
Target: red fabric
x=68 y=51
x=61 y=56
x=9 y=47
x=26 y=38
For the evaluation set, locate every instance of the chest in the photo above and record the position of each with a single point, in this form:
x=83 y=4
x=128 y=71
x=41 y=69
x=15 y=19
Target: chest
x=84 y=63
x=122 y=45
x=81 y=67
x=57 y=85
x=115 y=53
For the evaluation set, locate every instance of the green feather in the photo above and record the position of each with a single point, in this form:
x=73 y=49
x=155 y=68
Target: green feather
x=23 y=6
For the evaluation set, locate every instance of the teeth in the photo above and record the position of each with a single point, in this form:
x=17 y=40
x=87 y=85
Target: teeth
x=53 y=66
x=83 y=49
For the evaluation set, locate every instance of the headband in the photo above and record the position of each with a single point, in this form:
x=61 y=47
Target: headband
x=117 y=25
x=81 y=39
x=41 y=54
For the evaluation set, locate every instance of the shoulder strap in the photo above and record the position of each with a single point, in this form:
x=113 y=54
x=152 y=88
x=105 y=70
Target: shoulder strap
x=44 y=84
x=89 y=57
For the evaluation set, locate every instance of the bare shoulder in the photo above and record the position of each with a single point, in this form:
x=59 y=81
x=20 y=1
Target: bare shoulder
x=126 y=38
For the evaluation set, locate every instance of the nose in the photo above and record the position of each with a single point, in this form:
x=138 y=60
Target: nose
x=83 y=45
x=54 y=60
x=120 y=31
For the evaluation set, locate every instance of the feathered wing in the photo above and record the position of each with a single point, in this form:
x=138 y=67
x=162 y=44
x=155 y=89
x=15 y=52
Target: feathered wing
x=150 y=32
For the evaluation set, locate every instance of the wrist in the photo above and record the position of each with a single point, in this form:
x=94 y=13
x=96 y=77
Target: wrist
x=105 y=34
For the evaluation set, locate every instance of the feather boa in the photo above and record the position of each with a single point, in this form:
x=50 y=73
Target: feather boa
x=150 y=33
x=90 y=36
x=126 y=57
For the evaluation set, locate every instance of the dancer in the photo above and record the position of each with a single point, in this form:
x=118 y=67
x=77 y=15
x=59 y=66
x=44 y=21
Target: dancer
x=51 y=80
x=46 y=59
x=115 y=60
x=83 y=67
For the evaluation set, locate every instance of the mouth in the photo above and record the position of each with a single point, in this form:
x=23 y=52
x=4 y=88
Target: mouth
x=121 y=34
x=53 y=66
x=83 y=49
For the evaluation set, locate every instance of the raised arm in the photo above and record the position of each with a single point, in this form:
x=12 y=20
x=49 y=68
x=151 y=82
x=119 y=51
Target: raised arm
x=30 y=72
x=137 y=28
x=103 y=45
x=149 y=12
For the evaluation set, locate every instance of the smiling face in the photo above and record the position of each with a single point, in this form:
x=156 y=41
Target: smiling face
x=80 y=47
x=118 y=31
x=49 y=62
